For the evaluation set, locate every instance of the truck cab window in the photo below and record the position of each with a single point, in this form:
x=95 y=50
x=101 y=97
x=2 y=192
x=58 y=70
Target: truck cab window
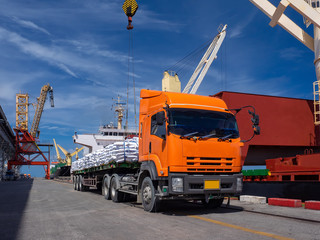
x=157 y=130
x=202 y=123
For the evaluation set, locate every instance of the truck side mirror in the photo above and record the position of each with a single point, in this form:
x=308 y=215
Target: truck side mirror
x=256 y=129
x=160 y=118
x=255 y=118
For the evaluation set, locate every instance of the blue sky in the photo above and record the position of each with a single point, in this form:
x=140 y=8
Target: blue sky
x=80 y=47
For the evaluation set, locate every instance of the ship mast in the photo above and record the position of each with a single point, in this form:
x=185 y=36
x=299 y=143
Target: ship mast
x=119 y=109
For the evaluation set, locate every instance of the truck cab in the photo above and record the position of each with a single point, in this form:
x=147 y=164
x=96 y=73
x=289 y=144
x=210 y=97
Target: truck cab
x=189 y=147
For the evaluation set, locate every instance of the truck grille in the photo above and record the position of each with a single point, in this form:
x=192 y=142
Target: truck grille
x=209 y=164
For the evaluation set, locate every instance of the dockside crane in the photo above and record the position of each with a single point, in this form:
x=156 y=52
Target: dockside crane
x=310 y=10
x=39 y=109
x=27 y=151
x=205 y=63
x=69 y=155
x=171 y=82
x=60 y=160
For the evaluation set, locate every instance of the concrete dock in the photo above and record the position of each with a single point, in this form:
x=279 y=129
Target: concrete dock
x=46 y=209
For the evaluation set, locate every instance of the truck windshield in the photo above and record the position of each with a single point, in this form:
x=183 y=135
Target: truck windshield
x=202 y=123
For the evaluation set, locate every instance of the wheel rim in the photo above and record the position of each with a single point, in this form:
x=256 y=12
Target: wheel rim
x=103 y=192
x=105 y=187
x=80 y=184
x=75 y=182
x=113 y=189
x=147 y=194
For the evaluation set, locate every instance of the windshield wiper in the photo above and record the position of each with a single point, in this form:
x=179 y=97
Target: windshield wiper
x=208 y=136
x=225 y=137
x=189 y=135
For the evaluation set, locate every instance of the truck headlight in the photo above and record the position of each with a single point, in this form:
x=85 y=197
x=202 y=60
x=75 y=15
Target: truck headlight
x=177 y=184
x=239 y=185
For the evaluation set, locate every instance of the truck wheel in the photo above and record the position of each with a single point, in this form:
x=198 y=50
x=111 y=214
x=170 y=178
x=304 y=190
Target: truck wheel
x=116 y=196
x=213 y=203
x=78 y=183
x=149 y=200
x=75 y=182
x=106 y=188
x=81 y=187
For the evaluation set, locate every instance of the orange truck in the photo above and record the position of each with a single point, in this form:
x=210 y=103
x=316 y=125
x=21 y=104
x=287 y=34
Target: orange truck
x=189 y=149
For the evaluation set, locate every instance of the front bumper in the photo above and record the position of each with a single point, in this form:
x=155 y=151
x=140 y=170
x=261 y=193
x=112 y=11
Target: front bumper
x=195 y=184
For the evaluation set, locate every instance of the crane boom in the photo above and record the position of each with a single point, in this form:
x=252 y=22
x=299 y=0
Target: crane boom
x=205 y=62
x=40 y=105
x=57 y=151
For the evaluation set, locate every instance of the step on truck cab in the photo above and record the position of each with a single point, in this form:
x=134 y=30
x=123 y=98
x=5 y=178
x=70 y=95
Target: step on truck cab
x=189 y=148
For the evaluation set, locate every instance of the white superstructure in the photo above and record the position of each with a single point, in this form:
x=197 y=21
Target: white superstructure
x=107 y=135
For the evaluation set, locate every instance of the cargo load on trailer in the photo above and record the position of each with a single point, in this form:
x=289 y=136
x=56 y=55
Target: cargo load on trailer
x=118 y=152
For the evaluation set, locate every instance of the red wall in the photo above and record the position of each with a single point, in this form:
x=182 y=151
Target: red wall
x=283 y=121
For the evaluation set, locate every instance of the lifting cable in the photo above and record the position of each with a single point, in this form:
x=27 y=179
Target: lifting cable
x=180 y=67
x=130 y=7
x=131 y=75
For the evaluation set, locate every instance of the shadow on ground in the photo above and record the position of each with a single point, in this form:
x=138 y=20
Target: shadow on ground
x=180 y=208
x=186 y=208
x=13 y=200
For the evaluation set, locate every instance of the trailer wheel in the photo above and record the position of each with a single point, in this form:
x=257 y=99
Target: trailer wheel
x=75 y=182
x=213 y=203
x=106 y=188
x=116 y=196
x=81 y=187
x=150 y=201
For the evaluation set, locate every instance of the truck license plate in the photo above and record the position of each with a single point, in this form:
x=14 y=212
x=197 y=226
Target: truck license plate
x=212 y=184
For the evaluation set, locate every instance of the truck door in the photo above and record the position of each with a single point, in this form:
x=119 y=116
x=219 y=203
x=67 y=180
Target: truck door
x=158 y=143
x=144 y=136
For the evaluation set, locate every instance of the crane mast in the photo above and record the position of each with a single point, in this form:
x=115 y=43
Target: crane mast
x=39 y=109
x=205 y=62
x=58 y=153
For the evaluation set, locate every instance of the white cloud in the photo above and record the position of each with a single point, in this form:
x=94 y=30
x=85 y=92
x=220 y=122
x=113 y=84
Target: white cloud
x=291 y=53
x=63 y=58
x=237 y=30
x=13 y=82
x=67 y=70
x=31 y=25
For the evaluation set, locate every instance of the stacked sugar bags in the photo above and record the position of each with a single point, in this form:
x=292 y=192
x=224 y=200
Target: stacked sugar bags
x=125 y=151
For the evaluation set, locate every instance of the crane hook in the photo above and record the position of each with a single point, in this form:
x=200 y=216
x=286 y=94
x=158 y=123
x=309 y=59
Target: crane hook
x=129 y=27
x=130 y=7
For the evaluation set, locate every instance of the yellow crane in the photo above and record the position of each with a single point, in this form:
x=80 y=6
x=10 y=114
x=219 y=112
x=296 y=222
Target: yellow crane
x=39 y=109
x=22 y=110
x=69 y=155
x=60 y=160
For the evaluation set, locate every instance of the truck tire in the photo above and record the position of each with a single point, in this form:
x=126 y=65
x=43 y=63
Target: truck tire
x=74 y=182
x=116 y=196
x=150 y=201
x=106 y=188
x=213 y=203
x=78 y=187
x=81 y=187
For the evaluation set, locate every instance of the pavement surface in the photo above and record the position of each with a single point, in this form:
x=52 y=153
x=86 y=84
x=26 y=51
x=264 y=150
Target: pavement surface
x=285 y=212
x=45 y=209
